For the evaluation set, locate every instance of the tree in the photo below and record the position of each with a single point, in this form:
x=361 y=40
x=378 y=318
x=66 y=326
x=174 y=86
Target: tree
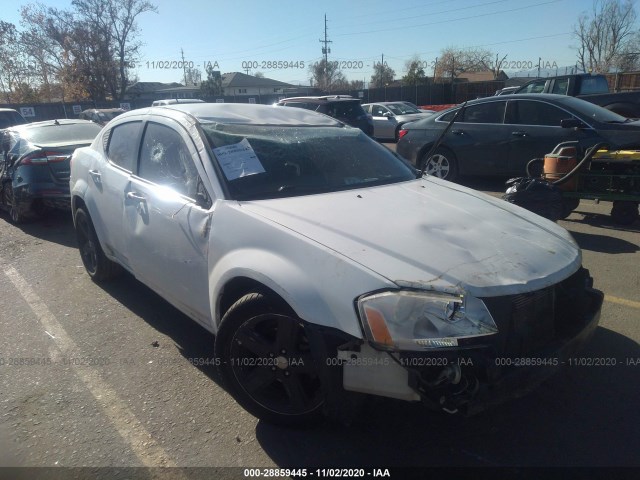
x=327 y=76
x=383 y=74
x=607 y=35
x=259 y=75
x=192 y=76
x=212 y=86
x=415 y=71
x=89 y=49
x=453 y=61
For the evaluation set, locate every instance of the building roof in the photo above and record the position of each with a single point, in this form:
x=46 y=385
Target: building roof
x=150 y=87
x=242 y=80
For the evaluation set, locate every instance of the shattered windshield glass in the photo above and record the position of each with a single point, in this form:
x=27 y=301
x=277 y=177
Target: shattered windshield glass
x=260 y=162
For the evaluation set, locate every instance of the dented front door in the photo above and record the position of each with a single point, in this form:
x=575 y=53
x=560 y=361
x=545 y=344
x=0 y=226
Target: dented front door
x=167 y=232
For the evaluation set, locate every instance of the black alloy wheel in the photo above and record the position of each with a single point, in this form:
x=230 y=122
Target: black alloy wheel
x=266 y=362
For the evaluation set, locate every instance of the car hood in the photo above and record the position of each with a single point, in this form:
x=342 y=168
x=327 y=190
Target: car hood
x=433 y=234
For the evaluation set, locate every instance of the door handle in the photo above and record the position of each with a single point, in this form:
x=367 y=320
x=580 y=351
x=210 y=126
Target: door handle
x=96 y=175
x=520 y=133
x=457 y=132
x=135 y=196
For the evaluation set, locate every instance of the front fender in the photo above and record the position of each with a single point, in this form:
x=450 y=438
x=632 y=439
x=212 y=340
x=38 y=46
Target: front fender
x=319 y=284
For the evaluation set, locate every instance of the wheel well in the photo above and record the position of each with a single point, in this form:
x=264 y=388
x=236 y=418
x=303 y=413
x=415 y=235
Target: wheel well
x=76 y=203
x=238 y=287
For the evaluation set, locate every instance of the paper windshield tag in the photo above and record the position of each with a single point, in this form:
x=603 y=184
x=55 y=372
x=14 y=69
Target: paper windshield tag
x=238 y=160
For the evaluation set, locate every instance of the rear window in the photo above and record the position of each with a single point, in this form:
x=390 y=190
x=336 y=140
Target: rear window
x=345 y=110
x=593 y=85
x=69 y=134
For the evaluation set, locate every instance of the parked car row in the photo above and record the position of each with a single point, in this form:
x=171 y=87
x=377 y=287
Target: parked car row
x=327 y=266
x=499 y=135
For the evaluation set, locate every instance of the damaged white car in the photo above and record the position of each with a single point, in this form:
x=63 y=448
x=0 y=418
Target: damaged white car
x=324 y=264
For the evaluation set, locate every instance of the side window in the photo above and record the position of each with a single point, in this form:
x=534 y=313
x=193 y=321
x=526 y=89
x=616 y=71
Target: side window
x=123 y=144
x=560 y=86
x=492 y=112
x=165 y=160
x=378 y=111
x=534 y=87
x=538 y=113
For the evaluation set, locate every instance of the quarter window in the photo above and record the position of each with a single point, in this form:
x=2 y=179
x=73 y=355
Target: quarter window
x=123 y=144
x=166 y=160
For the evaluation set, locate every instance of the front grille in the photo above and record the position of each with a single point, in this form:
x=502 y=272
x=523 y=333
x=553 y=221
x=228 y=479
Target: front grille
x=529 y=321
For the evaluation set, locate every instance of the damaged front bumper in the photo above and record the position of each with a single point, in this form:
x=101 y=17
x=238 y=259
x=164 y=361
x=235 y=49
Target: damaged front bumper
x=471 y=378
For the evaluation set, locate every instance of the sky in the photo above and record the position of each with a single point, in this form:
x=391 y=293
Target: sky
x=265 y=36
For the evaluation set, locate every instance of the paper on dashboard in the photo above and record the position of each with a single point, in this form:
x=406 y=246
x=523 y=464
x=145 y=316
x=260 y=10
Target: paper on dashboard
x=238 y=160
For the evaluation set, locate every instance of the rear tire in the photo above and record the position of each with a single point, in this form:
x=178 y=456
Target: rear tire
x=98 y=266
x=266 y=362
x=624 y=212
x=15 y=214
x=442 y=164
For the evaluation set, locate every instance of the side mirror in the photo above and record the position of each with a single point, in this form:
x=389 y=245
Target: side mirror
x=571 y=123
x=202 y=200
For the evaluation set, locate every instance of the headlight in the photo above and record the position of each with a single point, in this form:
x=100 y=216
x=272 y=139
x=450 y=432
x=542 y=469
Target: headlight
x=409 y=320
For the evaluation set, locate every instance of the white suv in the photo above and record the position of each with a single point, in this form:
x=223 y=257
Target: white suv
x=325 y=264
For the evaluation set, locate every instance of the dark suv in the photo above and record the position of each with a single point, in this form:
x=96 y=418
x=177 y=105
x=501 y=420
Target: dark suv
x=345 y=108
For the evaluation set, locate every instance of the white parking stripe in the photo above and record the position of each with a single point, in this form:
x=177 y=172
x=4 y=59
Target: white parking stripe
x=129 y=427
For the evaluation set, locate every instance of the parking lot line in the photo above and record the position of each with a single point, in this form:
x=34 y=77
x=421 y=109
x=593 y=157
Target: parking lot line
x=128 y=426
x=622 y=301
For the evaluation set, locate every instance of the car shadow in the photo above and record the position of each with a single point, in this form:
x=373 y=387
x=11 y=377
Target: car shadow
x=603 y=221
x=56 y=227
x=603 y=243
x=584 y=415
x=191 y=340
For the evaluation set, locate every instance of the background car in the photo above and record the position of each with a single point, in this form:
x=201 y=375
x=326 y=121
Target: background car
x=345 y=108
x=499 y=135
x=101 y=116
x=263 y=225
x=34 y=172
x=388 y=117
x=10 y=117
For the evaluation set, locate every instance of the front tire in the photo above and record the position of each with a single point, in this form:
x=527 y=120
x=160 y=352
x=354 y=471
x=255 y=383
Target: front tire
x=442 y=164
x=266 y=362
x=98 y=266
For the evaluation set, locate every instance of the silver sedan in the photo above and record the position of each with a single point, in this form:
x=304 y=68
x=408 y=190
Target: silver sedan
x=388 y=117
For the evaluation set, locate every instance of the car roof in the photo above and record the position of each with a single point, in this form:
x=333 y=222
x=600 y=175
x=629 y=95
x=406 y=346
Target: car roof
x=48 y=123
x=8 y=110
x=322 y=99
x=107 y=110
x=242 y=114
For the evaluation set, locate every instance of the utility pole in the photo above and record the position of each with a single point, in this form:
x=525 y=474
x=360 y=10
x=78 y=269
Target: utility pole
x=325 y=50
x=539 y=60
x=184 y=67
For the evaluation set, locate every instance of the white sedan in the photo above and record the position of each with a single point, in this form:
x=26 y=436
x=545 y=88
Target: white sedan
x=325 y=265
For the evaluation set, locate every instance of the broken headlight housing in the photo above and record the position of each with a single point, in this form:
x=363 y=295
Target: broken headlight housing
x=416 y=320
